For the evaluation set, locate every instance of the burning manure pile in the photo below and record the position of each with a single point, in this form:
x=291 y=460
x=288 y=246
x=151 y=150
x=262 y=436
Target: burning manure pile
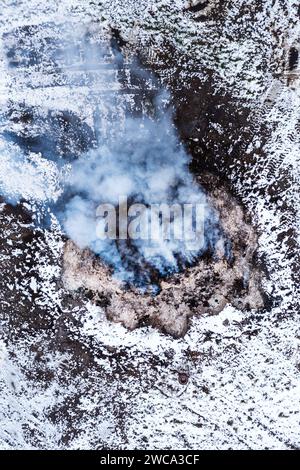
x=215 y=279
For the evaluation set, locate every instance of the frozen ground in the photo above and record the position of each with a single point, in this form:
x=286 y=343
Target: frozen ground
x=70 y=378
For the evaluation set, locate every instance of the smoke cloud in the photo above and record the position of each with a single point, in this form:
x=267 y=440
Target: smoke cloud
x=142 y=159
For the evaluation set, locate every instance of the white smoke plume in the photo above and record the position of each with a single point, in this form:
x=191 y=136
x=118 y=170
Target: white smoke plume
x=148 y=165
x=142 y=159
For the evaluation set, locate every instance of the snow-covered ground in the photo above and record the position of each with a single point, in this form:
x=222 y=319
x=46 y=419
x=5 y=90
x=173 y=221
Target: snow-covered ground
x=71 y=379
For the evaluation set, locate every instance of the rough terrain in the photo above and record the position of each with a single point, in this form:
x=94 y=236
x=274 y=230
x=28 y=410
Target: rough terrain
x=70 y=377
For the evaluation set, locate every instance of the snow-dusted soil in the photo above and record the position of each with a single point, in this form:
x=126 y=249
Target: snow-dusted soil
x=69 y=378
